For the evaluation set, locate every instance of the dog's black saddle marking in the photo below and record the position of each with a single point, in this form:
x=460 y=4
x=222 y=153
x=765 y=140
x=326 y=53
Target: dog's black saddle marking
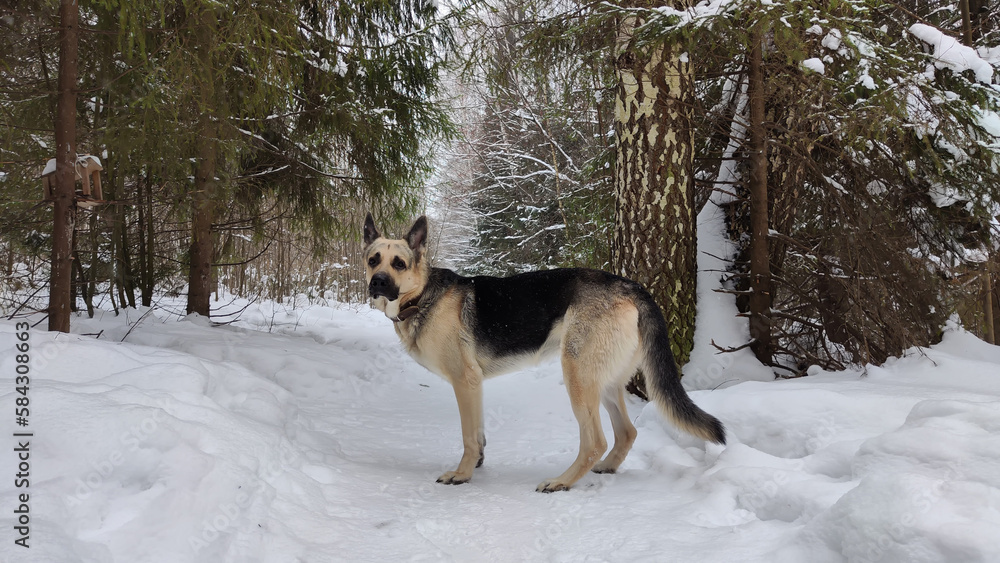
x=515 y=315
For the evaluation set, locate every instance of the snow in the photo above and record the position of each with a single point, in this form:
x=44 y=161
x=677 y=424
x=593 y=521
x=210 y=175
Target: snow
x=833 y=40
x=304 y=433
x=733 y=91
x=714 y=326
x=814 y=64
x=990 y=121
x=50 y=165
x=949 y=53
x=876 y=188
x=340 y=67
x=989 y=54
x=944 y=195
x=81 y=158
x=923 y=120
x=701 y=13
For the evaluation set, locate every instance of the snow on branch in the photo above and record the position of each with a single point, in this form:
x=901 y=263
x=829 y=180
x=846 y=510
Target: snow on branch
x=949 y=53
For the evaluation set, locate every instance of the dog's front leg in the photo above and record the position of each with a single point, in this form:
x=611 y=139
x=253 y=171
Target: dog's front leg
x=469 y=393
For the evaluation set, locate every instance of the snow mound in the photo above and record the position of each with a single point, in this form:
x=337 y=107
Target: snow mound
x=929 y=491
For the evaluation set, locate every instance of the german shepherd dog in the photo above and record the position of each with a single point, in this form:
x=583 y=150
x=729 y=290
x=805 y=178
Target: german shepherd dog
x=466 y=329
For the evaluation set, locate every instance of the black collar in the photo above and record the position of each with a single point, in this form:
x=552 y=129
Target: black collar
x=407 y=310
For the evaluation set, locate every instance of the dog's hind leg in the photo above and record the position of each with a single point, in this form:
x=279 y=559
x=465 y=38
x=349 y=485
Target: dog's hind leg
x=584 y=393
x=469 y=393
x=600 y=344
x=613 y=400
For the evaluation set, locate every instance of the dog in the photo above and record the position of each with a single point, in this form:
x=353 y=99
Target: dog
x=466 y=329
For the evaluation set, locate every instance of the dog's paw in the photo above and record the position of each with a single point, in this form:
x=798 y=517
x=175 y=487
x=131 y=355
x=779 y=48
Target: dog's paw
x=600 y=467
x=482 y=450
x=551 y=486
x=453 y=478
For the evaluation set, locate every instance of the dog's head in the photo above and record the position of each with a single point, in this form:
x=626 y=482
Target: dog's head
x=396 y=270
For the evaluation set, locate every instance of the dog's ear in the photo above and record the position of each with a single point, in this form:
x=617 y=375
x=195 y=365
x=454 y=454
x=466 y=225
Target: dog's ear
x=371 y=233
x=417 y=237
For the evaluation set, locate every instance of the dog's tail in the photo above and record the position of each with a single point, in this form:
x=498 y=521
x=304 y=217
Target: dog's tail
x=663 y=383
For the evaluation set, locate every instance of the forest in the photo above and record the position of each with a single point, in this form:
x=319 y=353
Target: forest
x=852 y=147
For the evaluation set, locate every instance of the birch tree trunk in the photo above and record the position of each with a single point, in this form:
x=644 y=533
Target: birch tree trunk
x=64 y=205
x=654 y=239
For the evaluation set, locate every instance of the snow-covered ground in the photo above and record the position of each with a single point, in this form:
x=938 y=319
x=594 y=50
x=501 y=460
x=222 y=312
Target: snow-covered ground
x=306 y=434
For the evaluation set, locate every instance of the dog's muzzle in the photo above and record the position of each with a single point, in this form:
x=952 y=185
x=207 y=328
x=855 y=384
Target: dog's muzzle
x=381 y=285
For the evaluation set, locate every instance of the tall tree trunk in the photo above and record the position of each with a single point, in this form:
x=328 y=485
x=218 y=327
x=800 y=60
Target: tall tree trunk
x=113 y=260
x=144 y=265
x=243 y=280
x=114 y=264
x=74 y=265
x=654 y=233
x=149 y=279
x=81 y=281
x=203 y=206
x=64 y=205
x=995 y=300
x=123 y=269
x=203 y=198
x=963 y=6
x=760 y=269
x=988 y=334
x=95 y=264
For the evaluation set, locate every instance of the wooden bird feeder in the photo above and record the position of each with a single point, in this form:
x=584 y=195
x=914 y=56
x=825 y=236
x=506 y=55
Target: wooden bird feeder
x=88 y=174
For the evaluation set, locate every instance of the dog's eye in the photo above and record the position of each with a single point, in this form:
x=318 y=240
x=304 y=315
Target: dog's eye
x=374 y=260
x=398 y=263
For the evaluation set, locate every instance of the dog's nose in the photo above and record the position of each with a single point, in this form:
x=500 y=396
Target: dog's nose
x=381 y=285
x=380 y=281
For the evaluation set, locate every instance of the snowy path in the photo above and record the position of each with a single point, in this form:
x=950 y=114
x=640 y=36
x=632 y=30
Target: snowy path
x=321 y=441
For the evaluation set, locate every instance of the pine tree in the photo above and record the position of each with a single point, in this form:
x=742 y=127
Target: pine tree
x=880 y=177
x=308 y=109
x=206 y=41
